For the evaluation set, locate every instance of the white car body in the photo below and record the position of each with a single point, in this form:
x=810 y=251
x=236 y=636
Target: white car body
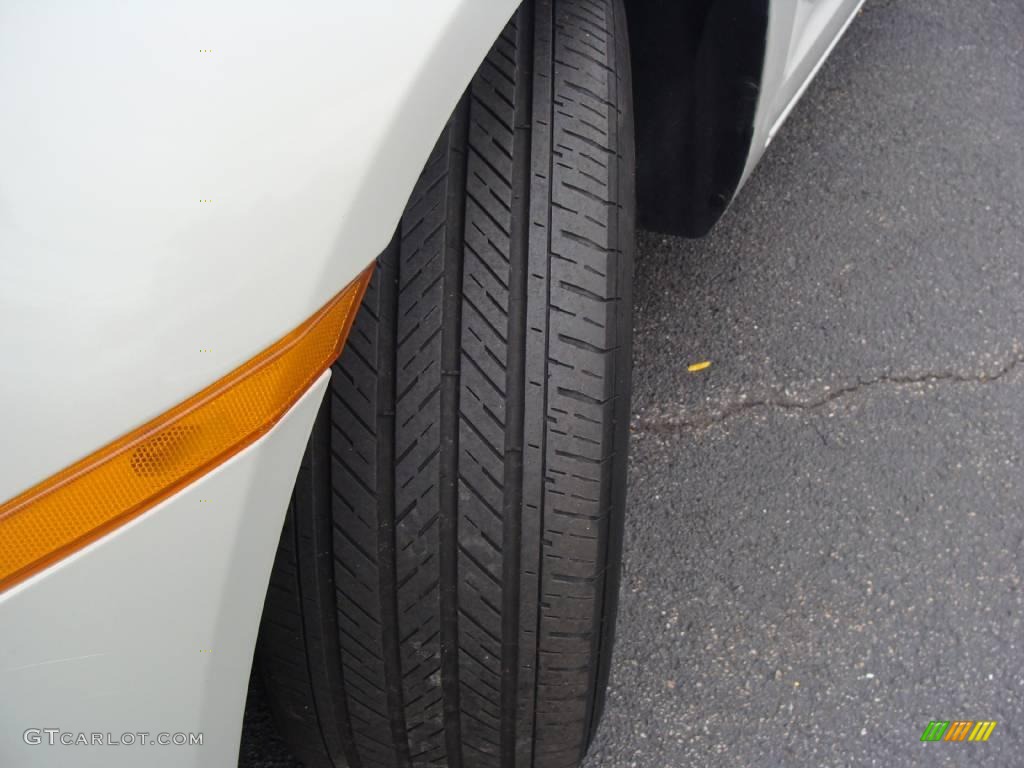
x=123 y=292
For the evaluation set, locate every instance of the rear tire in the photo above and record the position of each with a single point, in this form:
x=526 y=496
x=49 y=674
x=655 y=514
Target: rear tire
x=446 y=584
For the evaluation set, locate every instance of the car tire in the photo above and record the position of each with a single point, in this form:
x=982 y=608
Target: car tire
x=445 y=588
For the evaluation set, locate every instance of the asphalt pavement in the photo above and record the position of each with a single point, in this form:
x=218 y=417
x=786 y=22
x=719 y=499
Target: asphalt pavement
x=825 y=539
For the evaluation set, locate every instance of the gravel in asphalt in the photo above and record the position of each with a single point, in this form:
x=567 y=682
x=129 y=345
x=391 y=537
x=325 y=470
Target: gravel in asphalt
x=825 y=540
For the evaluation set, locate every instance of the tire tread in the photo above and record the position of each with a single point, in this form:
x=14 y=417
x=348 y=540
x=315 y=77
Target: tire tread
x=475 y=429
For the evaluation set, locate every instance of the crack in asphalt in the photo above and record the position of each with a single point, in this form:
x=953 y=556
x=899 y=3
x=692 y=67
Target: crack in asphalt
x=735 y=408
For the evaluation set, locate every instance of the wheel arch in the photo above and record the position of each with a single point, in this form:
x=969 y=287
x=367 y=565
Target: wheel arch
x=697 y=69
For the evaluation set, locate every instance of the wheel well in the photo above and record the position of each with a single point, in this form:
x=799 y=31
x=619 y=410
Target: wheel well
x=696 y=79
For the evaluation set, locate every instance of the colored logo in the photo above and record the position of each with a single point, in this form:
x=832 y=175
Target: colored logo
x=958 y=730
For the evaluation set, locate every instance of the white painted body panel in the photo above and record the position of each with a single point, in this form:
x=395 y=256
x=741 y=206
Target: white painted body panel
x=152 y=628
x=801 y=34
x=306 y=126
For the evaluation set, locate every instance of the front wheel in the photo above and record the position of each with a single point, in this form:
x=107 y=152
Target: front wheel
x=445 y=588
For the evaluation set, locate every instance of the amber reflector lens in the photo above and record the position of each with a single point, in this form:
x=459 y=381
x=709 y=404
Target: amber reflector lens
x=115 y=484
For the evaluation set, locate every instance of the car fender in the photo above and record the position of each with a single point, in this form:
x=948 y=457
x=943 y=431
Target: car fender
x=185 y=183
